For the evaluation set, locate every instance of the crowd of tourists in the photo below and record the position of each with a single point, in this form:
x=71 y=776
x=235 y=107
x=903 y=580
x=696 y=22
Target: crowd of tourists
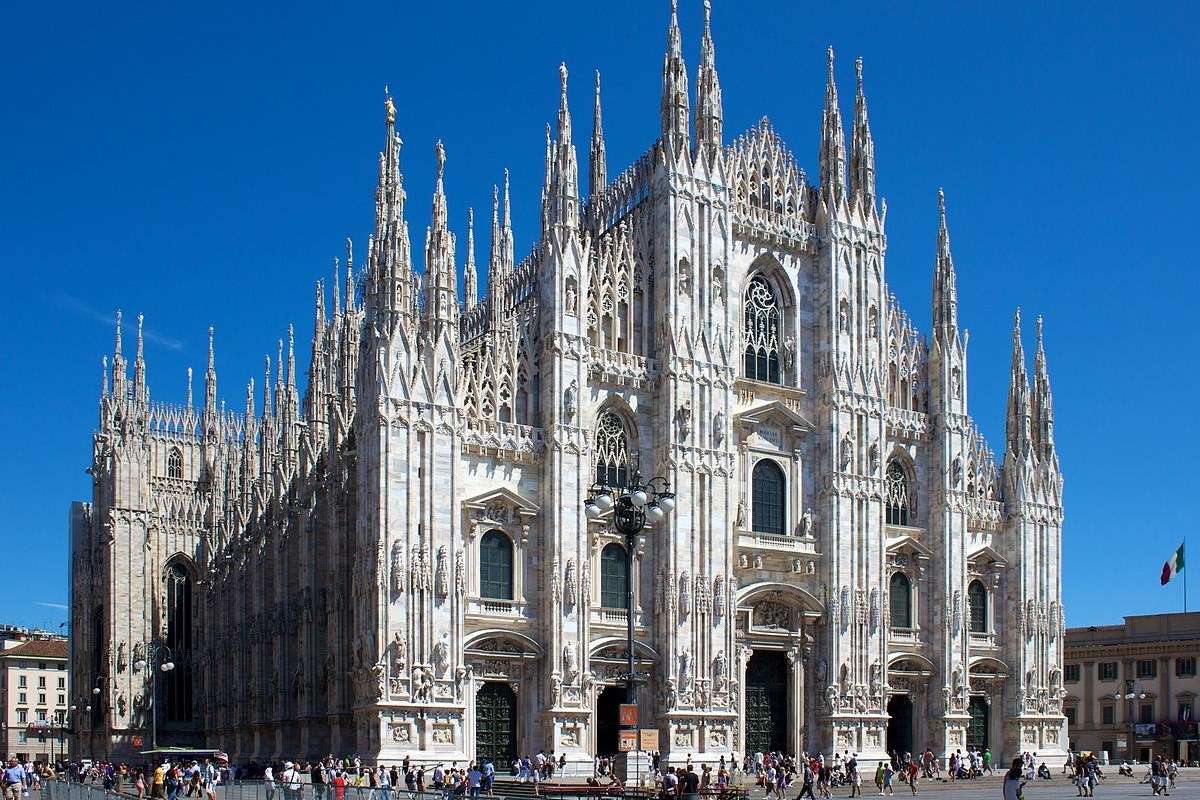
x=777 y=774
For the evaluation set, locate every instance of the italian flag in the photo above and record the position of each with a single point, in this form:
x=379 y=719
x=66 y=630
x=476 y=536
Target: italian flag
x=1172 y=567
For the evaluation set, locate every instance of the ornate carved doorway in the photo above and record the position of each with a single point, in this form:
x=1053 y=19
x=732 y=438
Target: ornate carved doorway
x=766 y=702
x=977 y=728
x=496 y=724
x=900 y=724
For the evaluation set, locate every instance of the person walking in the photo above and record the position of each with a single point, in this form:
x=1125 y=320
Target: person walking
x=853 y=775
x=807 y=778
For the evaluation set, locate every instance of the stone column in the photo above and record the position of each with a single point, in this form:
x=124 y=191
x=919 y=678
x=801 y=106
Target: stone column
x=795 y=698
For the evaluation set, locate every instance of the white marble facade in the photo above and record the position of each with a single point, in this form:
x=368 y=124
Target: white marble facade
x=397 y=561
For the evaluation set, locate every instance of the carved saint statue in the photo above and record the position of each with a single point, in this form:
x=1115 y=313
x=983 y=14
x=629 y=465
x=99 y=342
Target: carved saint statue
x=806 y=523
x=442 y=578
x=847 y=451
x=683 y=420
x=571 y=400
x=719 y=670
x=121 y=658
x=685 y=669
x=570 y=663
x=789 y=353
x=569 y=585
x=741 y=513
x=441 y=657
x=399 y=653
x=719 y=428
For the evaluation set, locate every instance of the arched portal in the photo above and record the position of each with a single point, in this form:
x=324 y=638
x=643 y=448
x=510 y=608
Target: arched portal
x=900 y=724
x=767 y=702
x=977 y=728
x=608 y=720
x=496 y=724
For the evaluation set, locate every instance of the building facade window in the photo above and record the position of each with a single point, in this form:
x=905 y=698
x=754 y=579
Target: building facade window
x=22 y=715
x=22 y=681
x=1185 y=667
x=175 y=463
x=900 y=600
x=62 y=699
x=1107 y=715
x=21 y=697
x=177 y=684
x=1146 y=713
x=1071 y=673
x=1069 y=713
x=612 y=451
x=1185 y=711
x=614 y=576
x=41 y=681
x=496 y=566
x=767 y=496
x=761 y=328
x=62 y=683
x=1106 y=670
x=977 y=602
x=900 y=496
x=1147 y=668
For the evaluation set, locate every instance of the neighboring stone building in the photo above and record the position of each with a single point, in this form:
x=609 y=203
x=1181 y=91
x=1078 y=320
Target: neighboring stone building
x=35 y=694
x=396 y=561
x=1152 y=657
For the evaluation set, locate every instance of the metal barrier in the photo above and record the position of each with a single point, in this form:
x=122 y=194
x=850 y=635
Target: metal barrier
x=65 y=790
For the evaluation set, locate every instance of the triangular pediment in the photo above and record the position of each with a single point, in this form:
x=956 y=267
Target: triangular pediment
x=985 y=554
x=908 y=542
x=491 y=501
x=776 y=412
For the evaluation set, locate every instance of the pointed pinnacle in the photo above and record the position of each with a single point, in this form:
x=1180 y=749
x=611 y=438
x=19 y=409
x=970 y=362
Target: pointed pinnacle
x=211 y=358
x=117 y=348
x=507 y=207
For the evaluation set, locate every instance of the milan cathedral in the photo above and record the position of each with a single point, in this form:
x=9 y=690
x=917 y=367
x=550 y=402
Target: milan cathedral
x=396 y=561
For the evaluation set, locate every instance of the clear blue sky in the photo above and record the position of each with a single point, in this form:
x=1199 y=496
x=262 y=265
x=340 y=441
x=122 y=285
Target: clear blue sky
x=203 y=164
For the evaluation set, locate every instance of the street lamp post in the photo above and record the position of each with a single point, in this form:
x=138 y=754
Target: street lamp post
x=1132 y=692
x=634 y=505
x=158 y=658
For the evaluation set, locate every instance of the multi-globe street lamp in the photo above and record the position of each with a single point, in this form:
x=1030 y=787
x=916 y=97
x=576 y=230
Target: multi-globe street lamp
x=1132 y=692
x=634 y=504
x=158 y=658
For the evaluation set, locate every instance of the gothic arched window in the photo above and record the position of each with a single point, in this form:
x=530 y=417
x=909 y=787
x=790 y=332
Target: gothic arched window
x=900 y=600
x=977 y=603
x=761 y=329
x=496 y=566
x=175 y=463
x=177 y=683
x=612 y=451
x=901 y=505
x=767 y=495
x=614 y=576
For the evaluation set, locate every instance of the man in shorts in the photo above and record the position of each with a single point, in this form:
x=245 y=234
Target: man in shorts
x=14 y=779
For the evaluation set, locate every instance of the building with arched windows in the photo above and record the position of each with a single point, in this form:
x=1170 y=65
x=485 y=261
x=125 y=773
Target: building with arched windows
x=396 y=562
